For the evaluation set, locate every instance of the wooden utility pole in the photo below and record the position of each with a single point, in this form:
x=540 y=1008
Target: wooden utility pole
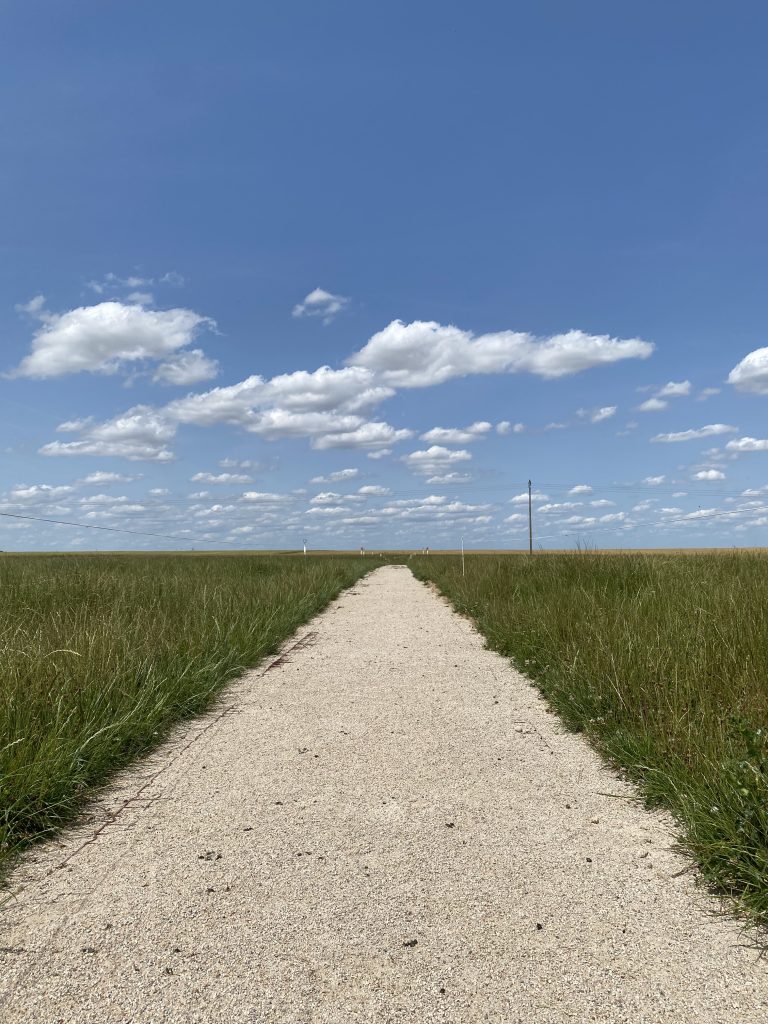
x=530 y=521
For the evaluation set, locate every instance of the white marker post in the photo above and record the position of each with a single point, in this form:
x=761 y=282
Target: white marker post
x=305 y=547
x=463 y=573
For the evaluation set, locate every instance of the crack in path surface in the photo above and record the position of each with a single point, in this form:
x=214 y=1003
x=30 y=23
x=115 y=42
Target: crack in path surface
x=386 y=826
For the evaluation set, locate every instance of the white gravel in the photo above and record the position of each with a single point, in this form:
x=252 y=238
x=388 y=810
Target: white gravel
x=388 y=826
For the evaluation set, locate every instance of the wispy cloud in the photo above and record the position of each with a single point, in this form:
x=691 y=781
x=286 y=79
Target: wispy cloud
x=659 y=399
x=710 y=430
x=506 y=427
x=604 y=412
x=321 y=303
x=339 y=474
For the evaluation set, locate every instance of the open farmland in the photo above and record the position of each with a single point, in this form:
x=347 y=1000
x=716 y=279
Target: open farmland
x=662 y=661
x=101 y=654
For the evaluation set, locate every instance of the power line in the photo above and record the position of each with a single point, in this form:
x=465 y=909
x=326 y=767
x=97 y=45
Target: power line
x=155 y=507
x=151 y=504
x=92 y=526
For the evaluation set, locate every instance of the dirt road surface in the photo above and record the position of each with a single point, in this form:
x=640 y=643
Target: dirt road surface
x=386 y=826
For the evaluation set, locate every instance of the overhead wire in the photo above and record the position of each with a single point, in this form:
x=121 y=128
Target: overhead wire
x=154 y=507
x=93 y=526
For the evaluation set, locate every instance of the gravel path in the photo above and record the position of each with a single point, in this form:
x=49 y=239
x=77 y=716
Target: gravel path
x=386 y=826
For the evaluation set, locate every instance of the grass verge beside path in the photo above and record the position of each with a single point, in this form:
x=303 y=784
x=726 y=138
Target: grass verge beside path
x=100 y=656
x=662 y=661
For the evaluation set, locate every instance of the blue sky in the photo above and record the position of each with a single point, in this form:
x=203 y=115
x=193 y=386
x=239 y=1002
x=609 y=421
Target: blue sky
x=355 y=272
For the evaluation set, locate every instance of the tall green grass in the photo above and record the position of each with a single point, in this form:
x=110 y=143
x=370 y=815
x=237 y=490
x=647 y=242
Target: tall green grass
x=662 y=660
x=100 y=655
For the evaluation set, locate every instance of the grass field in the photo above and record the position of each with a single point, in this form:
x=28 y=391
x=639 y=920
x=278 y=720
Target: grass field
x=662 y=660
x=101 y=654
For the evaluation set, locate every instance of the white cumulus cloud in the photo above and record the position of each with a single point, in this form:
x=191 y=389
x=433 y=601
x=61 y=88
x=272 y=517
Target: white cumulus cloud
x=300 y=404
x=327 y=498
x=603 y=413
x=748 y=444
x=709 y=474
x=674 y=389
x=141 y=433
x=265 y=498
x=557 y=506
x=457 y=435
x=434 y=460
x=522 y=499
x=450 y=478
x=102 y=477
x=106 y=337
x=751 y=374
x=368 y=435
x=652 y=405
x=36 y=493
x=424 y=353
